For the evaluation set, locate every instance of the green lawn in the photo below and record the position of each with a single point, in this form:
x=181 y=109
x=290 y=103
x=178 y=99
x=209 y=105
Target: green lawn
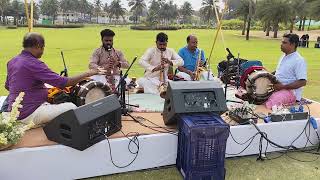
x=78 y=44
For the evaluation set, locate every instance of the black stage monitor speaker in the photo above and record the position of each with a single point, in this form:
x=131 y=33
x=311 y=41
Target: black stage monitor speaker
x=86 y=125
x=192 y=97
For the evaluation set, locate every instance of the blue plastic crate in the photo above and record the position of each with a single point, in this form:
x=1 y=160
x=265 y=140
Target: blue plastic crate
x=201 y=145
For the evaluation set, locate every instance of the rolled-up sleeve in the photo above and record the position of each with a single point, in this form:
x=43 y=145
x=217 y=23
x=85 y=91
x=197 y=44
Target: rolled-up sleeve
x=94 y=60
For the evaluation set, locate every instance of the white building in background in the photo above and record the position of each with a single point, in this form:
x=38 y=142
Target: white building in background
x=76 y=17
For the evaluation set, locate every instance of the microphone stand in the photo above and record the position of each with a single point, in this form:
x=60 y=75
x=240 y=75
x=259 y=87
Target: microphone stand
x=229 y=56
x=121 y=87
x=65 y=71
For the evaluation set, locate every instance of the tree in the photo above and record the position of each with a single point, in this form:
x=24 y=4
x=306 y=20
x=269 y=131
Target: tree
x=207 y=10
x=97 y=8
x=106 y=7
x=137 y=7
x=83 y=7
x=186 y=12
x=16 y=10
x=315 y=9
x=116 y=10
x=4 y=4
x=153 y=12
x=275 y=12
x=243 y=12
x=65 y=6
x=49 y=8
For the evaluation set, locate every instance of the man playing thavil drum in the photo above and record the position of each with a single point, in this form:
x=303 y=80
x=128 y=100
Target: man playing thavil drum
x=27 y=73
x=156 y=61
x=193 y=58
x=108 y=58
x=292 y=68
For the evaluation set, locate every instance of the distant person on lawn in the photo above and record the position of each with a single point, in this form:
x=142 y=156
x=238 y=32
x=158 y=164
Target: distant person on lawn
x=27 y=73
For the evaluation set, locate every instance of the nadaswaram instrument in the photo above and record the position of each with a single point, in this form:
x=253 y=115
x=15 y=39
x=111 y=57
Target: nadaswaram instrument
x=110 y=74
x=198 y=70
x=163 y=84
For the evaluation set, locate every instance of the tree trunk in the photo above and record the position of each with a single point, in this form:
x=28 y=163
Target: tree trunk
x=309 y=24
x=2 y=15
x=249 y=19
x=303 y=23
x=300 y=24
x=291 y=25
x=244 y=25
x=136 y=20
x=275 y=30
x=268 y=29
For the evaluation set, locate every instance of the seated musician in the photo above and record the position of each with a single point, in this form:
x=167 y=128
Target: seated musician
x=291 y=72
x=155 y=61
x=108 y=58
x=190 y=55
x=27 y=73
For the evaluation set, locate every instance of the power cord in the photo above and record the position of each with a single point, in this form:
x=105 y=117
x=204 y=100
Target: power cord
x=133 y=140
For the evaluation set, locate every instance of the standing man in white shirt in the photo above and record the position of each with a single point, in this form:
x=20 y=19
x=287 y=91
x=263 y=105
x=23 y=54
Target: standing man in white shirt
x=291 y=72
x=153 y=61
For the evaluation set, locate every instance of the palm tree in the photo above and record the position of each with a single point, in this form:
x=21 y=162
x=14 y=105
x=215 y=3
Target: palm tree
x=207 y=10
x=275 y=12
x=186 y=12
x=153 y=12
x=243 y=11
x=97 y=8
x=137 y=7
x=116 y=10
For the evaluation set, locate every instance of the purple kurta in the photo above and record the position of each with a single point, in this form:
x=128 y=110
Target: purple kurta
x=28 y=74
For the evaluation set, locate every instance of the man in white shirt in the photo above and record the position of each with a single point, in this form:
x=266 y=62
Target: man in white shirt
x=153 y=61
x=291 y=72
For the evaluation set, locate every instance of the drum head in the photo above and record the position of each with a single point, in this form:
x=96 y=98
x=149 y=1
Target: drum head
x=94 y=94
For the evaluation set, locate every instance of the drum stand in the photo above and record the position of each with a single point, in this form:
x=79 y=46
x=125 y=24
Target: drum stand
x=121 y=88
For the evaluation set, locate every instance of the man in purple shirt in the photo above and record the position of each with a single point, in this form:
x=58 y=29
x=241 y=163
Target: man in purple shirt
x=26 y=73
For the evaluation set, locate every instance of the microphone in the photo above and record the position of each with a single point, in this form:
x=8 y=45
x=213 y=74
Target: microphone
x=230 y=54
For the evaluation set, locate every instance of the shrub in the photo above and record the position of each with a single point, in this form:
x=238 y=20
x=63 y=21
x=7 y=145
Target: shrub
x=55 y=25
x=154 y=27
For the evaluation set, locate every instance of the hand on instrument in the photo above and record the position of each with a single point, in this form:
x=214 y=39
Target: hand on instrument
x=98 y=71
x=166 y=61
x=191 y=74
x=101 y=71
x=158 y=68
x=278 y=86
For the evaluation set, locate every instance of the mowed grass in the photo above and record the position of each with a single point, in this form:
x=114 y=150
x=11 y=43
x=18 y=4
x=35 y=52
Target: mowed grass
x=78 y=45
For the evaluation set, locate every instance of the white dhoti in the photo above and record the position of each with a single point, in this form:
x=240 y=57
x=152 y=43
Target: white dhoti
x=102 y=78
x=47 y=112
x=203 y=76
x=149 y=84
